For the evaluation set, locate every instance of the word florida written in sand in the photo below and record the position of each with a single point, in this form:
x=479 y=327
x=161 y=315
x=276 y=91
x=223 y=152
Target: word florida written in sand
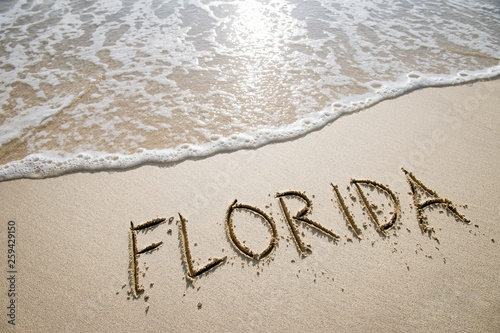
x=423 y=198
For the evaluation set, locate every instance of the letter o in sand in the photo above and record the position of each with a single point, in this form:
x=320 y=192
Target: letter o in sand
x=245 y=250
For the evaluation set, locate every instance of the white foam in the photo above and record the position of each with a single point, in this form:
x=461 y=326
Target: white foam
x=270 y=70
x=48 y=165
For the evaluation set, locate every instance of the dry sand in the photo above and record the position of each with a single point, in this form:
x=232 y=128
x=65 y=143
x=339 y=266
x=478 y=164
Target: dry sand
x=73 y=232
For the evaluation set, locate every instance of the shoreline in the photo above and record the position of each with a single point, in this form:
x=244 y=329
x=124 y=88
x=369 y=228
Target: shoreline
x=42 y=166
x=73 y=231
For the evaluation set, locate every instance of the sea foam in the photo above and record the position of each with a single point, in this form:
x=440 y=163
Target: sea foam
x=103 y=85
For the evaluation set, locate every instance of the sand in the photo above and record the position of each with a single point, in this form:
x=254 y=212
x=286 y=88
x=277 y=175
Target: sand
x=73 y=232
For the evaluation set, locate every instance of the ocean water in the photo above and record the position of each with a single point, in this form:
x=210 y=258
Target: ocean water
x=91 y=85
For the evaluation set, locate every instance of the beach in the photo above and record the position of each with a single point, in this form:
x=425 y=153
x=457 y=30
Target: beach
x=74 y=267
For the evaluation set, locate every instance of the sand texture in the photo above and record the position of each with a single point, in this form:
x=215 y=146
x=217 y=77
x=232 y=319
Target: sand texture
x=328 y=233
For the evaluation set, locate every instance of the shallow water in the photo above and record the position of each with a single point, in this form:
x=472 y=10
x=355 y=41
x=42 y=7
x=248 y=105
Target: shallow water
x=91 y=85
